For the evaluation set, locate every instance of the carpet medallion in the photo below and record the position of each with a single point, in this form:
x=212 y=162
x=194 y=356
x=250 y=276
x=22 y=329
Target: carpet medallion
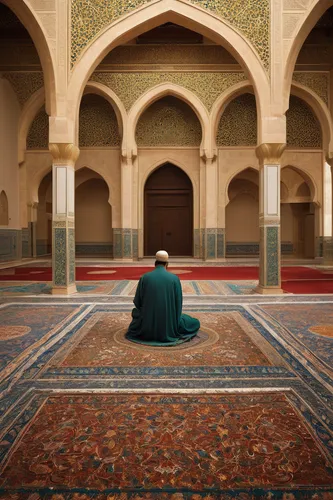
x=224 y=339
x=205 y=443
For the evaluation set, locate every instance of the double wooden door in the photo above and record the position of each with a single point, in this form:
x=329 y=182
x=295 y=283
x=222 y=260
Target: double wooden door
x=169 y=212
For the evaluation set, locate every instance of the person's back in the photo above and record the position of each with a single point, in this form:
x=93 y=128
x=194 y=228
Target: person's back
x=157 y=317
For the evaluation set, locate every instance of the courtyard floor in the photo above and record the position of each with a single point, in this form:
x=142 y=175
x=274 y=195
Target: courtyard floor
x=245 y=410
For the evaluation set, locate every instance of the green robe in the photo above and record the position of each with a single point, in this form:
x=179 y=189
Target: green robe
x=157 y=316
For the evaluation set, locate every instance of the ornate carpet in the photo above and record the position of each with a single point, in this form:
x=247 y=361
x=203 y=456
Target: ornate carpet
x=244 y=411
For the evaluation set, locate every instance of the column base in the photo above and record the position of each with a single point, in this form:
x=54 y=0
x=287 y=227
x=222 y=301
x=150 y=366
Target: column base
x=64 y=290
x=263 y=290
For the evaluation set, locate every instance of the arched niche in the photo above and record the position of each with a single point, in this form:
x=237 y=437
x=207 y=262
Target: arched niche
x=44 y=216
x=168 y=212
x=93 y=215
x=169 y=121
x=4 y=213
x=242 y=214
x=298 y=214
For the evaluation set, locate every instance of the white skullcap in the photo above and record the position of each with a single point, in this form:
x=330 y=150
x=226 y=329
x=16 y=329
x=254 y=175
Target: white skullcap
x=162 y=256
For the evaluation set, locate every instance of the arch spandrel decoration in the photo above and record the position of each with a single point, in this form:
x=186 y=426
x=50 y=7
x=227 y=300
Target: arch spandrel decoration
x=250 y=17
x=317 y=82
x=98 y=125
x=38 y=135
x=309 y=135
x=24 y=83
x=238 y=123
x=208 y=86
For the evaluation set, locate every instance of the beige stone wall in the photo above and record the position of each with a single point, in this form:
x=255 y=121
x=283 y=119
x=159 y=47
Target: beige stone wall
x=92 y=212
x=9 y=168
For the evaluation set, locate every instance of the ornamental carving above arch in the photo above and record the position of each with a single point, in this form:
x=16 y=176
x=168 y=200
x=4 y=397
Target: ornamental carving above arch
x=250 y=17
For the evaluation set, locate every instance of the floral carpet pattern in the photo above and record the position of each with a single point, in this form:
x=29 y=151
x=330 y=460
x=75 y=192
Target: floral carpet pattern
x=192 y=442
x=244 y=411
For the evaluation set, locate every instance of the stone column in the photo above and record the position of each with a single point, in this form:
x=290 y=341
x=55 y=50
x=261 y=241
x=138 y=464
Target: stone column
x=32 y=227
x=328 y=235
x=269 y=218
x=125 y=238
x=63 y=220
x=213 y=243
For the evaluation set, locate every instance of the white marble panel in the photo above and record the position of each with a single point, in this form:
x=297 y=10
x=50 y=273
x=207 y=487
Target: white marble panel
x=71 y=190
x=272 y=191
x=61 y=190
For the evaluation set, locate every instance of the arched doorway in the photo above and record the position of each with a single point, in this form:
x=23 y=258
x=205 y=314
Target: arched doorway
x=168 y=215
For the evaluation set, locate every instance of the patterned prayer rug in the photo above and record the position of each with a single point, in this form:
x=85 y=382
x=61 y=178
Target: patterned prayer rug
x=223 y=340
x=204 y=445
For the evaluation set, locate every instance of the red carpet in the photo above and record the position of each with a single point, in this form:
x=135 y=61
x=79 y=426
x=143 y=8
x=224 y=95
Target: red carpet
x=185 y=273
x=294 y=279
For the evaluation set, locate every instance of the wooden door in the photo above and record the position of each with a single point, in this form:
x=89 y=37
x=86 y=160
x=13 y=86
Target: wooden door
x=168 y=212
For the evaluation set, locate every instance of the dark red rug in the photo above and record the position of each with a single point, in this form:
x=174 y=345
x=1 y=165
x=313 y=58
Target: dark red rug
x=295 y=279
x=184 y=273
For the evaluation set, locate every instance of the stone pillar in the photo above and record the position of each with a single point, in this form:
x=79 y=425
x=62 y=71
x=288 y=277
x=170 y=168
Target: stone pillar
x=125 y=238
x=269 y=218
x=213 y=237
x=32 y=227
x=63 y=220
x=328 y=234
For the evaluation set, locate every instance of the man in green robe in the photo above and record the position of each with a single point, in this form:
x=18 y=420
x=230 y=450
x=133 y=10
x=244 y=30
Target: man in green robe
x=157 y=316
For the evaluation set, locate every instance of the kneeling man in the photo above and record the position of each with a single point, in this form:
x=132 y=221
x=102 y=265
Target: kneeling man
x=157 y=316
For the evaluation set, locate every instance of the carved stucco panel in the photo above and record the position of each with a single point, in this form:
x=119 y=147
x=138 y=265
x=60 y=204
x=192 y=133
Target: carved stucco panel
x=208 y=86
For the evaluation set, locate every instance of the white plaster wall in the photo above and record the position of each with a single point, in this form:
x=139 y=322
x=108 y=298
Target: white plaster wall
x=9 y=168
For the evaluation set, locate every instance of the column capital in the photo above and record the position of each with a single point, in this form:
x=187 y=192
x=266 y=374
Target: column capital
x=270 y=153
x=64 y=153
x=329 y=160
x=208 y=156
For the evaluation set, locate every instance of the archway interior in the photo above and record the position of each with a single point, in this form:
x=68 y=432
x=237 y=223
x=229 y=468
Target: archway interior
x=168 y=212
x=44 y=217
x=298 y=214
x=242 y=214
x=93 y=217
x=315 y=54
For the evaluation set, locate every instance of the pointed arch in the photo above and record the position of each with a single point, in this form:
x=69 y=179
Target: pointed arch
x=100 y=174
x=307 y=178
x=317 y=9
x=30 y=21
x=28 y=114
x=182 y=13
x=254 y=168
x=156 y=93
x=114 y=101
